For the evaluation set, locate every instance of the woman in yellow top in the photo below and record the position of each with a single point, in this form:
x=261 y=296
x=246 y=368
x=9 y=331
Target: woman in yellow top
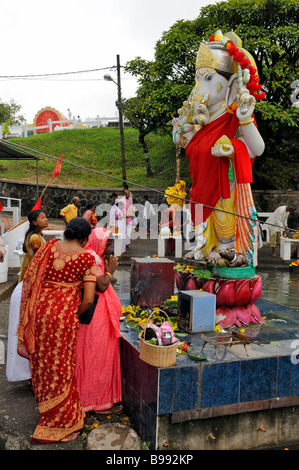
x=34 y=238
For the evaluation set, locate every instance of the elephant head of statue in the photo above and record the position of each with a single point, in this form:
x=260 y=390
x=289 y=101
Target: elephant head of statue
x=225 y=79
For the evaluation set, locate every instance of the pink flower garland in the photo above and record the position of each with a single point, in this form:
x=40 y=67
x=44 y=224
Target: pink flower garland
x=253 y=84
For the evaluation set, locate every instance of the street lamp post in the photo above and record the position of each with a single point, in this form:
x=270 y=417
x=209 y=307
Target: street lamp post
x=119 y=105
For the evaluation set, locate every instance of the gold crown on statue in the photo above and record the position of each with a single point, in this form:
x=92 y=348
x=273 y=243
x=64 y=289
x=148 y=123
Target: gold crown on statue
x=214 y=55
x=225 y=54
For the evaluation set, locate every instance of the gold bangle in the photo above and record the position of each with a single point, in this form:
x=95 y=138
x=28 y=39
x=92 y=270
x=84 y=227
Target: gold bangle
x=184 y=141
x=110 y=275
x=243 y=123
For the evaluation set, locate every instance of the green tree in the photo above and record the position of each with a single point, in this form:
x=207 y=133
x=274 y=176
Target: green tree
x=152 y=108
x=140 y=121
x=9 y=113
x=269 y=31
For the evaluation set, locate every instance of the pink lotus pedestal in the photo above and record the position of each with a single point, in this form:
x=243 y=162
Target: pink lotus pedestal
x=235 y=298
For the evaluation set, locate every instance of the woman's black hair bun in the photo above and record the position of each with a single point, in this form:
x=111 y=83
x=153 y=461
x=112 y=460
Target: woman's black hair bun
x=77 y=229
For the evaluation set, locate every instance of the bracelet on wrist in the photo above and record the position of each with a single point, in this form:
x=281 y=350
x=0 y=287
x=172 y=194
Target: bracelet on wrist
x=243 y=123
x=110 y=275
x=184 y=141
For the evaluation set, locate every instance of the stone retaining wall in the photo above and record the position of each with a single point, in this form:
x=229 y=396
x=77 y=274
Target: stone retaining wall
x=56 y=197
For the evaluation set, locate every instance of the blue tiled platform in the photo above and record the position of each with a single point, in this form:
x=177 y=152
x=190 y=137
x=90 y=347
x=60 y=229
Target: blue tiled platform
x=234 y=382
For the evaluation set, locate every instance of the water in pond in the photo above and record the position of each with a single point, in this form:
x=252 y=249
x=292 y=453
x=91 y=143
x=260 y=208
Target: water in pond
x=281 y=287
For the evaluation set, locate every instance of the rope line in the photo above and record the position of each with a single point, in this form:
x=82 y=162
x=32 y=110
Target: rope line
x=58 y=73
x=131 y=183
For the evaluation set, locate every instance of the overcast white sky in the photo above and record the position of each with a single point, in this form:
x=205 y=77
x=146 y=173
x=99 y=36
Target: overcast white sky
x=43 y=37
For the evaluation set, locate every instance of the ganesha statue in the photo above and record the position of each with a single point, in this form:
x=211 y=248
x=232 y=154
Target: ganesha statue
x=217 y=128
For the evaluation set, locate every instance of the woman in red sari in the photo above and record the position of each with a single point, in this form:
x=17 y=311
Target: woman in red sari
x=47 y=332
x=98 y=370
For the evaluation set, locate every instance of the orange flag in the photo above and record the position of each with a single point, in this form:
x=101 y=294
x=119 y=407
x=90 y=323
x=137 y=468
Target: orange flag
x=56 y=171
x=38 y=205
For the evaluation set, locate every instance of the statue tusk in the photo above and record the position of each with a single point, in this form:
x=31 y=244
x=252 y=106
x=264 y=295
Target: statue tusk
x=204 y=99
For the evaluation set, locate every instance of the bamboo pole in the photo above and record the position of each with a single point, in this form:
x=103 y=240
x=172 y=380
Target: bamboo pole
x=23 y=221
x=178 y=163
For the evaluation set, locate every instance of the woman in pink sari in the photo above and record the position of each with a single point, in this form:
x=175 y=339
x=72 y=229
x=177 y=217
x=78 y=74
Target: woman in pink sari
x=98 y=372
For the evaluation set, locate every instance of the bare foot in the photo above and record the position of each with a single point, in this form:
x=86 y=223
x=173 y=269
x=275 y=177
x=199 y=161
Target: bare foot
x=114 y=409
x=274 y=254
x=70 y=437
x=29 y=383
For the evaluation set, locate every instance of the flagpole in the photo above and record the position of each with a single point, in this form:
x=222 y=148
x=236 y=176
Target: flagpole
x=23 y=221
x=52 y=175
x=20 y=223
x=45 y=188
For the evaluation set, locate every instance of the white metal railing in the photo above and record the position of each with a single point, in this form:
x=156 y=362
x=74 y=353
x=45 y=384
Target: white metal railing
x=8 y=207
x=265 y=227
x=22 y=131
x=285 y=247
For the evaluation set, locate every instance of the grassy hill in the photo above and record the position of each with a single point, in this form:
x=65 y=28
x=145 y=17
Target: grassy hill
x=97 y=149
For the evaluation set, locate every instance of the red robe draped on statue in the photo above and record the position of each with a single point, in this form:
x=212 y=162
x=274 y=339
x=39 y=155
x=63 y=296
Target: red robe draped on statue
x=209 y=174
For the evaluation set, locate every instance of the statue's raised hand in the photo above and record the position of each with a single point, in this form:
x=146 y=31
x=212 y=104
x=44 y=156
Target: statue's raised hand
x=246 y=104
x=182 y=133
x=201 y=115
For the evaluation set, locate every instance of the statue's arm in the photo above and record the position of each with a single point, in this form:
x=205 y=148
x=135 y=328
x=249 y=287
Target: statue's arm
x=250 y=134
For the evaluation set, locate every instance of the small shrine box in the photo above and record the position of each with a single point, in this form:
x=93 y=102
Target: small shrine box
x=152 y=281
x=196 y=311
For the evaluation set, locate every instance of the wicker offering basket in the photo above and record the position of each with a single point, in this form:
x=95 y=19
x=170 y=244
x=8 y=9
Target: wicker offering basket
x=159 y=356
